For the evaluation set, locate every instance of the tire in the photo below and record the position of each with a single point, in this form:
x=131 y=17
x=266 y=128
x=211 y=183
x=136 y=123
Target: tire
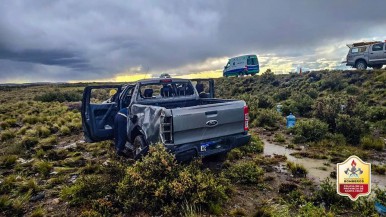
x=253 y=74
x=140 y=147
x=377 y=67
x=361 y=65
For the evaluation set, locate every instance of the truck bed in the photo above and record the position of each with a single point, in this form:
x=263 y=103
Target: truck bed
x=201 y=119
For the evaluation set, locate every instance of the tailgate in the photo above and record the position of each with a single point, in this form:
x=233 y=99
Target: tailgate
x=192 y=124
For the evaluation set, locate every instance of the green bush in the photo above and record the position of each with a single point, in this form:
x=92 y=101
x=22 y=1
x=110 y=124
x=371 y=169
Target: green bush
x=279 y=138
x=86 y=188
x=29 y=141
x=245 y=172
x=300 y=104
x=59 y=96
x=8 y=161
x=158 y=185
x=327 y=110
x=327 y=195
x=310 y=209
x=7 y=135
x=297 y=170
x=64 y=130
x=48 y=143
x=268 y=118
x=377 y=113
x=369 y=142
x=311 y=130
x=43 y=167
x=351 y=127
x=254 y=146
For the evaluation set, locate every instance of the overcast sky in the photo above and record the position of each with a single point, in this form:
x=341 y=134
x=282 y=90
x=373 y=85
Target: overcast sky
x=91 y=40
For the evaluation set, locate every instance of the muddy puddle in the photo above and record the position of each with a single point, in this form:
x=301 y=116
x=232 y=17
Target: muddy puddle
x=318 y=169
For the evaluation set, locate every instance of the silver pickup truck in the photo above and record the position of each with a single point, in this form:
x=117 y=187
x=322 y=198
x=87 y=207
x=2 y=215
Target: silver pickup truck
x=181 y=114
x=366 y=54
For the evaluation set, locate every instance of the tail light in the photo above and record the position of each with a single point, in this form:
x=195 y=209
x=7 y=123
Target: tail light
x=246 y=118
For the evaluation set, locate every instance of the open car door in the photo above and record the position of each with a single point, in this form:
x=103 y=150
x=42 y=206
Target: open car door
x=100 y=104
x=205 y=87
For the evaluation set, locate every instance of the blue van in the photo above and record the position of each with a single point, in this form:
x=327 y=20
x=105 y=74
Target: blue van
x=242 y=65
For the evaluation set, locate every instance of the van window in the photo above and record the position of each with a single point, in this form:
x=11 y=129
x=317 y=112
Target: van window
x=378 y=47
x=252 y=61
x=228 y=64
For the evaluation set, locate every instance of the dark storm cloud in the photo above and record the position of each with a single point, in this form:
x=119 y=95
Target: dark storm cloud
x=74 y=40
x=46 y=57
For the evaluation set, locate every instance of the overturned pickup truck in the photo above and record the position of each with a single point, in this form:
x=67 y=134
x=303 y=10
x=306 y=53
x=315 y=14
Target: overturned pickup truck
x=181 y=114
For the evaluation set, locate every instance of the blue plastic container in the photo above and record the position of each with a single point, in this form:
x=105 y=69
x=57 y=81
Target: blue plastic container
x=291 y=120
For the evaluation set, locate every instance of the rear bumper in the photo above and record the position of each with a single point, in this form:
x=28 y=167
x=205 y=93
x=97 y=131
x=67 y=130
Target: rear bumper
x=207 y=148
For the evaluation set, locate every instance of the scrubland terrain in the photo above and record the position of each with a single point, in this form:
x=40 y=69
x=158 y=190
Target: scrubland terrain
x=46 y=168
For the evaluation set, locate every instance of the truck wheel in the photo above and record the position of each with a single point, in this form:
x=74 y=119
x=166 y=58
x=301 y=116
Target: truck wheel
x=377 y=67
x=140 y=147
x=361 y=65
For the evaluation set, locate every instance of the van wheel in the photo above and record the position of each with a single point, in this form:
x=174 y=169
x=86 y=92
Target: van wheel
x=377 y=67
x=361 y=65
x=140 y=147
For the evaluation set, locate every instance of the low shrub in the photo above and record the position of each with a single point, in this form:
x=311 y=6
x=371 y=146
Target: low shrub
x=64 y=130
x=369 y=142
x=311 y=130
x=379 y=169
x=254 y=146
x=89 y=188
x=234 y=154
x=29 y=141
x=351 y=127
x=310 y=209
x=327 y=195
x=8 y=161
x=267 y=118
x=43 y=167
x=158 y=185
x=377 y=113
x=85 y=189
x=279 y=138
x=48 y=143
x=245 y=172
x=7 y=135
x=59 y=96
x=297 y=170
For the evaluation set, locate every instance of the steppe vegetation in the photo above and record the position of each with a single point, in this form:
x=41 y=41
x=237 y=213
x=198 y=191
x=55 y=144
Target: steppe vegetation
x=47 y=168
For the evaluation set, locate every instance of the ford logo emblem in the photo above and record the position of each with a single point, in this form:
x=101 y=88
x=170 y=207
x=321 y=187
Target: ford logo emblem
x=211 y=123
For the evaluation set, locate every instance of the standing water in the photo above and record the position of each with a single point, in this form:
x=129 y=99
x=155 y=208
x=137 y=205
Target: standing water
x=317 y=169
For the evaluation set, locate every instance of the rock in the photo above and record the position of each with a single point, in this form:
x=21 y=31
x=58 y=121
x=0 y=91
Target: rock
x=38 y=196
x=106 y=163
x=70 y=146
x=23 y=161
x=56 y=201
x=73 y=178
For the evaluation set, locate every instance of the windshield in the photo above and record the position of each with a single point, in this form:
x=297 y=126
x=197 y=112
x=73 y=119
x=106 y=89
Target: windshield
x=166 y=90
